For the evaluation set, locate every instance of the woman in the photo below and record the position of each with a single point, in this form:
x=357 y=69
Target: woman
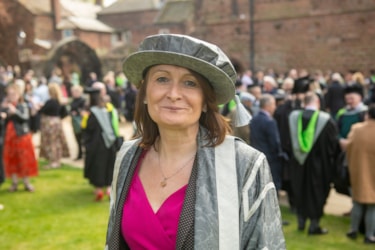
x=76 y=107
x=184 y=183
x=360 y=151
x=53 y=144
x=99 y=140
x=19 y=155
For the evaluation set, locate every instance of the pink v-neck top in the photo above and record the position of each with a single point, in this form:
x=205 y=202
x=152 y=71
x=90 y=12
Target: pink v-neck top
x=141 y=227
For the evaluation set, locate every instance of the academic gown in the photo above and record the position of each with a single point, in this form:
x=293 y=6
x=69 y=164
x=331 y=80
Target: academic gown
x=99 y=160
x=281 y=116
x=311 y=181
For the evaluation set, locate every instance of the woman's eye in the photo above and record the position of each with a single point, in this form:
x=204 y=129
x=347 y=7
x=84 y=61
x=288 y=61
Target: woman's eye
x=190 y=83
x=162 y=79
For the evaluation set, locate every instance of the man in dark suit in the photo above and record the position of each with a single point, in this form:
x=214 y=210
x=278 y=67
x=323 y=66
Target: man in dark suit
x=265 y=136
x=335 y=96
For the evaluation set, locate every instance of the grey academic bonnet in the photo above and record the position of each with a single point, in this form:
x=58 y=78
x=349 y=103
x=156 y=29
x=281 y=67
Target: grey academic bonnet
x=202 y=57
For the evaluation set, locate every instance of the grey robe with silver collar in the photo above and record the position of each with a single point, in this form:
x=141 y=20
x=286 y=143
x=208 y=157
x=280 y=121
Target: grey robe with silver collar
x=251 y=222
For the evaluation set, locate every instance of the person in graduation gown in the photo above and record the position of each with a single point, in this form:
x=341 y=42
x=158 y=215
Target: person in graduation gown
x=353 y=112
x=184 y=182
x=99 y=141
x=293 y=101
x=314 y=143
x=77 y=105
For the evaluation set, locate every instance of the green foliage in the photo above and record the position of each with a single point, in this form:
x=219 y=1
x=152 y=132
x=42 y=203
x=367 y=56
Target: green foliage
x=62 y=214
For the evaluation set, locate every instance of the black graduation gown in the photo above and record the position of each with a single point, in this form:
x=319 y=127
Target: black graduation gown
x=311 y=181
x=281 y=116
x=99 y=160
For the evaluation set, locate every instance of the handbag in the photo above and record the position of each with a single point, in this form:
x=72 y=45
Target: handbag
x=76 y=122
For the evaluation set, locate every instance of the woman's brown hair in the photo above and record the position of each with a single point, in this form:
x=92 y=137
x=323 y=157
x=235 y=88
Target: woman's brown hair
x=216 y=124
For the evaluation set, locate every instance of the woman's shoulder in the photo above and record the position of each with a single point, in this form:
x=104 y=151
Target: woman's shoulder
x=51 y=102
x=128 y=147
x=244 y=149
x=248 y=159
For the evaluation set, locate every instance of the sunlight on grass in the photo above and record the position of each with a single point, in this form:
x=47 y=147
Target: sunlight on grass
x=62 y=214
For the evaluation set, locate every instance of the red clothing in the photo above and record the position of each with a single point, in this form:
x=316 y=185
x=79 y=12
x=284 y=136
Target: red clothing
x=141 y=227
x=18 y=155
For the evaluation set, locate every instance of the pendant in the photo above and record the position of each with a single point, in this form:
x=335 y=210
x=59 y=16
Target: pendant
x=163 y=183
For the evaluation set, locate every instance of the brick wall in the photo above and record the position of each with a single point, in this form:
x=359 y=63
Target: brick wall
x=139 y=23
x=312 y=34
x=19 y=19
x=101 y=42
x=44 y=28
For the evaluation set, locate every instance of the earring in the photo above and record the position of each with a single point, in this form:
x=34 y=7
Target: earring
x=204 y=109
x=144 y=101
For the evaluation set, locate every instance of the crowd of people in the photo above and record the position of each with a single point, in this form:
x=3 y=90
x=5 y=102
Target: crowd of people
x=315 y=130
x=31 y=104
x=304 y=123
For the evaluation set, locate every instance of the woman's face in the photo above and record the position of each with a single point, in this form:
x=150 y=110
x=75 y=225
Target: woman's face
x=12 y=95
x=174 y=96
x=76 y=93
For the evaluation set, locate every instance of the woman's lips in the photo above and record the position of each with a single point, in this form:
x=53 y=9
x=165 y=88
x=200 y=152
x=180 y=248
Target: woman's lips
x=172 y=108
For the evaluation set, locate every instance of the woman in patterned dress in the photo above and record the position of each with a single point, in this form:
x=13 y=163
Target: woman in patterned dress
x=53 y=144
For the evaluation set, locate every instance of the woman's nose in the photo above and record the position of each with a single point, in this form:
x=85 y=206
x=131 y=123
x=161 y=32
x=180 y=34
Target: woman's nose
x=174 y=92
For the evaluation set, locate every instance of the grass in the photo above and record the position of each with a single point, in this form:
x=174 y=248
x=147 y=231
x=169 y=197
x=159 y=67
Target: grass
x=61 y=214
x=334 y=240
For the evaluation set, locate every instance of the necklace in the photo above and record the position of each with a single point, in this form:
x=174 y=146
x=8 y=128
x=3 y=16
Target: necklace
x=163 y=183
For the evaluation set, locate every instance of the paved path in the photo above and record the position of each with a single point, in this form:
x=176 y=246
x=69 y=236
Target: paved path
x=337 y=204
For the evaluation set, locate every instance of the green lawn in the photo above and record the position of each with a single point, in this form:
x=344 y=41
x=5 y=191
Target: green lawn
x=61 y=214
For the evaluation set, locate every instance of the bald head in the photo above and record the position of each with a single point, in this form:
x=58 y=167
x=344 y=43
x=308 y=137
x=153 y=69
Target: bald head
x=101 y=86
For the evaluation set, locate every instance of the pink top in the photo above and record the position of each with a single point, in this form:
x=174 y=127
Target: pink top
x=141 y=227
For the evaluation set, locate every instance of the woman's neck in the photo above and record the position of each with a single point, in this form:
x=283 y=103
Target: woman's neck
x=172 y=144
